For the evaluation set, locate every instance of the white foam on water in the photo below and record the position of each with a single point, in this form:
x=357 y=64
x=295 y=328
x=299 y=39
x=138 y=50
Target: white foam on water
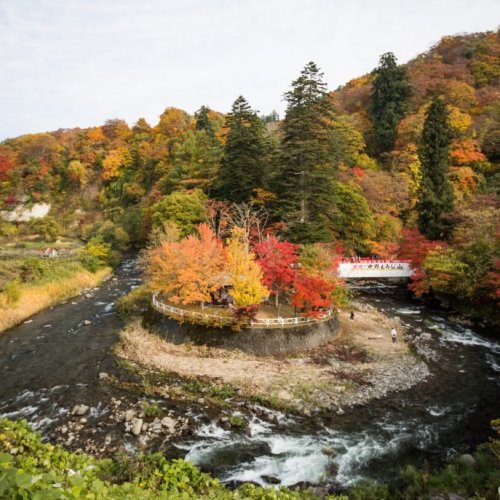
x=435 y=411
x=212 y=430
x=408 y=310
x=493 y=362
x=23 y=412
x=109 y=306
x=289 y=470
x=465 y=336
x=24 y=395
x=257 y=427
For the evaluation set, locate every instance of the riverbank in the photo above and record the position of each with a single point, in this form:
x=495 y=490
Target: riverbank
x=35 y=298
x=361 y=364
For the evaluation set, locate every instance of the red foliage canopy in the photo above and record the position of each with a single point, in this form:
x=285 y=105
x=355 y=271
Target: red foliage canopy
x=415 y=247
x=312 y=294
x=275 y=259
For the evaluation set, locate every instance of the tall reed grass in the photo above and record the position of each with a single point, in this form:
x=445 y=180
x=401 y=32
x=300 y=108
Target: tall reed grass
x=34 y=298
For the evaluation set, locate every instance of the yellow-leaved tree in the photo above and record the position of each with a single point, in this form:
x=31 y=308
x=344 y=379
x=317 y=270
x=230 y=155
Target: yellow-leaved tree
x=245 y=273
x=189 y=270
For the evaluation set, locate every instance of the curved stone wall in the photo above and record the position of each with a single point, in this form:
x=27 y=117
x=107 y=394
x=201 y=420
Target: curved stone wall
x=255 y=340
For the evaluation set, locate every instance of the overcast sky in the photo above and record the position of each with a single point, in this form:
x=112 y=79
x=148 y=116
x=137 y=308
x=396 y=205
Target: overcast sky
x=69 y=63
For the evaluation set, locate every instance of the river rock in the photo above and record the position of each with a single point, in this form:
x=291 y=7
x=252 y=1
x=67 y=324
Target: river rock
x=169 y=423
x=129 y=415
x=340 y=411
x=87 y=322
x=137 y=427
x=83 y=420
x=103 y=375
x=271 y=479
x=79 y=410
x=64 y=429
x=328 y=451
x=467 y=460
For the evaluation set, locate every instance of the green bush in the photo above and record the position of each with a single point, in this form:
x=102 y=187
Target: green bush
x=13 y=291
x=136 y=301
x=47 y=228
x=151 y=409
x=8 y=229
x=98 y=252
x=90 y=263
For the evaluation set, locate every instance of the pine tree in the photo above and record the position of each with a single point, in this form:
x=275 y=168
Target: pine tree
x=203 y=121
x=389 y=100
x=304 y=182
x=243 y=164
x=436 y=193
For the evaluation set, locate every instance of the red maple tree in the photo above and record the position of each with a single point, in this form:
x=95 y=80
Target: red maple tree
x=277 y=260
x=312 y=294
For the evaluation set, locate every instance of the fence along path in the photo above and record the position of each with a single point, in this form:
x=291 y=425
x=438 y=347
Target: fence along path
x=255 y=323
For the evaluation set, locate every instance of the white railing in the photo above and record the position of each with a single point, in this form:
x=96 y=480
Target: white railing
x=183 y=313
x=257 y=322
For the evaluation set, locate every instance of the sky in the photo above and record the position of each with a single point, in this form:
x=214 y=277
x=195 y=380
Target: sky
x=77 y=63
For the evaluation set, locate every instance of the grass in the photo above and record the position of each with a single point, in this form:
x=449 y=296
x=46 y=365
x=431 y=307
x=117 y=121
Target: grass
x=58 y=284
x=152 y=409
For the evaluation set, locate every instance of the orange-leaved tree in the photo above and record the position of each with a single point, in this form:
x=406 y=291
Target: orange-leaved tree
x=189 y=270
x=245 y=273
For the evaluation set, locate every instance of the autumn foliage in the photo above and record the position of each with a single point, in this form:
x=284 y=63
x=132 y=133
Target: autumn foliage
x=189 y=270
x=277 y=258
x=313 y=295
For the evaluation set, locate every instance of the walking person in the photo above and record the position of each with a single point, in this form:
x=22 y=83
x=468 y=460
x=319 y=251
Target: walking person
x=394 y=335
x=351 y=317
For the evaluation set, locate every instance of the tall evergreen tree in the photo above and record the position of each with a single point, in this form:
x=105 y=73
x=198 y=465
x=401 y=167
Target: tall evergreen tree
x=389 y=100
x=203 y=120
x=243 y=164
x=436 y=193
x=304 y=182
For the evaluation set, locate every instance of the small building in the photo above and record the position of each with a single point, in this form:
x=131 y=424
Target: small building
x=49 y=252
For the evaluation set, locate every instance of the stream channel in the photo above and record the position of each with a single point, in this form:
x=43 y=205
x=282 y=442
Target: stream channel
x=52 y=362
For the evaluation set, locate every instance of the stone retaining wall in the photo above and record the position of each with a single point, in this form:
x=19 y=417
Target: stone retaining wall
x=256 y=341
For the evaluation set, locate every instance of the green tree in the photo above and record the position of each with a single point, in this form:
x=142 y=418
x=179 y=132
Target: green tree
x=436 y=191
x=196 y=160
x=351 y=218
x=243 y=163
x=304 y=182
x=389 y=100
x=185 y=209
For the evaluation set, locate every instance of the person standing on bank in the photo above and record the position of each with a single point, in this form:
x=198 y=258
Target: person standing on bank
x=394 y=335
x=352 y=315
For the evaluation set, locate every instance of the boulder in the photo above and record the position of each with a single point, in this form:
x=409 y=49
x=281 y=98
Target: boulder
x=79 y=410
x=328 y=451
x=467 y=460
x=129 y=415
x=169 y=423
x=137 y=427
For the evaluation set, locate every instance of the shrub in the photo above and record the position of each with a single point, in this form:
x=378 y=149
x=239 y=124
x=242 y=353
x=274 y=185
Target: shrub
x=151 y=409
x=12 y=291
x=136 y=301
x=99 y=252
x=47 y=228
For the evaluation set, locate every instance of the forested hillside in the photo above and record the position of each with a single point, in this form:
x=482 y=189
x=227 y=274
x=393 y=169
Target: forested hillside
x=403 y=161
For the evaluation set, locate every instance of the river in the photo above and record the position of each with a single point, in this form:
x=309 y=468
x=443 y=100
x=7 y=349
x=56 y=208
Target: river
x=52 y=362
